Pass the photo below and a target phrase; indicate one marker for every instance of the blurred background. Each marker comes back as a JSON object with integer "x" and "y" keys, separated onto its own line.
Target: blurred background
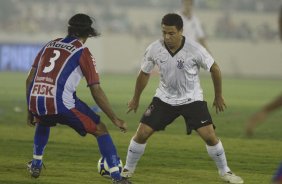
{"x": 242, "y": 35}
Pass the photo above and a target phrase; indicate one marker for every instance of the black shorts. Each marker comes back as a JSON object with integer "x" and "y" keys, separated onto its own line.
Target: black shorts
{"x": 160, "y": 114}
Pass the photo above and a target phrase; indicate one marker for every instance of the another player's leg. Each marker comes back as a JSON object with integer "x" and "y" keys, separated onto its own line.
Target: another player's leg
{"x": 108, "y": 150}
{"x": 216, "y": 152}
{"x": 40, "y": 140}
{"x": 83, "y": 120}
{"x": 136, "y": 149}
{"x": 277, "y": 177}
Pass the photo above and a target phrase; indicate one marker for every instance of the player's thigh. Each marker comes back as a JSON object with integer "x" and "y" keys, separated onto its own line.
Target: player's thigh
{"x": 159, "y": 114}
{"x": 83, "y": 120}
{"x": 196, "y": 115}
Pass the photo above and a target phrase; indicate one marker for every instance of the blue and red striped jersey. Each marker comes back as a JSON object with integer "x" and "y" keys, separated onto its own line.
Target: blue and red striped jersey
{"x": 60, "y": 65}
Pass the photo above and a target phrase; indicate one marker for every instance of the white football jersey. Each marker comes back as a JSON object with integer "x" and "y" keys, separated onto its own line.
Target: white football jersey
{"x": 192, "y": 27}
{"x": 179, "y": 71}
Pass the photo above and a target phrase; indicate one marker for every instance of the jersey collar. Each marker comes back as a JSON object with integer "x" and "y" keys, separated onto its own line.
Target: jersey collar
{"x": 181, "y": 46}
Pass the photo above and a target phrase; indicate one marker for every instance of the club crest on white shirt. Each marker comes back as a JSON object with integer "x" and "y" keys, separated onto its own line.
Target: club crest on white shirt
{"x": 180, "y": 63}
{"x": 149, "y": 110}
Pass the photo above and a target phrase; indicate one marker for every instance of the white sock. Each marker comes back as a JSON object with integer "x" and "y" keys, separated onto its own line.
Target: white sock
{"x": 37, "y": 157}
{"x": 217, "y": 153}
{"x": 134, "y": 153}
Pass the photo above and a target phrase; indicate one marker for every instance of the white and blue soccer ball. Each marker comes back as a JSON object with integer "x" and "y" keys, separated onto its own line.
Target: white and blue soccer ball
{"x": 103, "y": 168}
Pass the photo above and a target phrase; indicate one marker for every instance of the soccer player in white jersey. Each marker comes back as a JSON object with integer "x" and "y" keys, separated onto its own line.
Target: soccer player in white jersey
{"x": 179, "y": 94}
{"x": 51, "y": 95}
{"x": 192, "y": 27}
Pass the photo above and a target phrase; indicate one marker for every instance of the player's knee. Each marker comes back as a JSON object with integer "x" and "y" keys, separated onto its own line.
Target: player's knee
{"x": 101, "y": 130}
{"x": 211, "y": 141}
{"x": 143, "y": 134}
{"x": 140, "y": 139}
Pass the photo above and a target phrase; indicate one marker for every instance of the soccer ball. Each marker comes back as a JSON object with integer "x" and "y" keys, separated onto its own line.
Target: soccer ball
{"x": 103, "y": 168}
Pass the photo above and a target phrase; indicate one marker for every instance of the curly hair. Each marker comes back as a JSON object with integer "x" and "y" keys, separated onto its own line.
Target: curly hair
{"x": 80, "y": 26}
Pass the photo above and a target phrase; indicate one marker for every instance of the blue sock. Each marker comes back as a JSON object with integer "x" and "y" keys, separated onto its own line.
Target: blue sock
{"x": 41, "y": 137}
{"x": 278, "y": 174}
{"x": 108, "y": 151}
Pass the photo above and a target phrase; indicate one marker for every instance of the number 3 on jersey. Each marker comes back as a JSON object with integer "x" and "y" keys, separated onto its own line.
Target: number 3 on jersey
{"x": 52, "y": 61}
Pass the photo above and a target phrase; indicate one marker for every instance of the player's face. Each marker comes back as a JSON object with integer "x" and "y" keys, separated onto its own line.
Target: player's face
{"x": 172, "y": 37}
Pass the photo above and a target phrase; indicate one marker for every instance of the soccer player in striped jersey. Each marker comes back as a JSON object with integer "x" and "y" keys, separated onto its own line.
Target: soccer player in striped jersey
{"x": 51, "y": 94}
{"x": 179, "y": 94}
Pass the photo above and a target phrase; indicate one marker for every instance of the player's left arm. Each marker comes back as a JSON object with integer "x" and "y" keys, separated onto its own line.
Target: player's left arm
{"x": 218, "y": 103}
{"x": 28, "y": 82}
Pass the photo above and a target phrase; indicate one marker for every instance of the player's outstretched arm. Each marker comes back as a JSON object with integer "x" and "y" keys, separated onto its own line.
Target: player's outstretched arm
{"x": 141, "y": 83}
{"x": 262, "y": 114}
{"x": 218, "y": 103}
{"x": 102, "y": 101}
{"x": 30, "y": 77}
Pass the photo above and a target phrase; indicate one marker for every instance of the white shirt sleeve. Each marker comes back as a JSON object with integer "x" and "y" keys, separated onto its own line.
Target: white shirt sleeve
{"x": 148, "y": 61}
{"x": 205, "y": 60}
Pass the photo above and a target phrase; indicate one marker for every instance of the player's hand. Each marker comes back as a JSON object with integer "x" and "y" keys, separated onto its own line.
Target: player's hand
{"x": 30, "y": 119}
{"x": 219, "y": 104}
{"x": 253, "y": 122}
{"x": 120, "y": 124}
{"x": 132, "y": 105}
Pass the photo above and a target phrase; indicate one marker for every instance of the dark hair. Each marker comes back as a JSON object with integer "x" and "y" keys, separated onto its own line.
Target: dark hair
{"x": 80, "y": 26}
{"x": 173, "y": 19}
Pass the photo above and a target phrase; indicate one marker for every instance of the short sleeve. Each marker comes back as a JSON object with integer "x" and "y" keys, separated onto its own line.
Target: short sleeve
{"x": 148, "y": 61}
{"x": 37, "y": 59}
{"x": 88, "y": 67}
{"x": 205, "y": 60}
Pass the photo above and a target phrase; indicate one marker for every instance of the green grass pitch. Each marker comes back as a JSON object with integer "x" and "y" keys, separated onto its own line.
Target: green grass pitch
{"x": 170, "y": 157}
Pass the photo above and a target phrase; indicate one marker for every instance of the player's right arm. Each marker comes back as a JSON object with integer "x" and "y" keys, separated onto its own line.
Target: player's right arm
{"x": 143, "y": 77}
{"x": 28, "y": 82}
{"x": 141, "y": 83}
{"x": 102, "y": 101}
{"x": 88, "y": 68}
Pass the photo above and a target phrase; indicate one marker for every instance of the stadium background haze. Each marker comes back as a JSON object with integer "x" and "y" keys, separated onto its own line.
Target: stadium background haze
{"x": 242, "y": 35}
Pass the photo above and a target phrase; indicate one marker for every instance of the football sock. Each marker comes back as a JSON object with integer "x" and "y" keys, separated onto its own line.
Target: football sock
{"x": 217, "y": 153}
{"x": 108, "y": 151}
{"x": 41, "y": 137}
{"x": 134, "y": 153}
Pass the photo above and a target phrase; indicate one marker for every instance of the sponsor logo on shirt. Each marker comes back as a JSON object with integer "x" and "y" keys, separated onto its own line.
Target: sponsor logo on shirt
{"x": 40, "y": 89}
